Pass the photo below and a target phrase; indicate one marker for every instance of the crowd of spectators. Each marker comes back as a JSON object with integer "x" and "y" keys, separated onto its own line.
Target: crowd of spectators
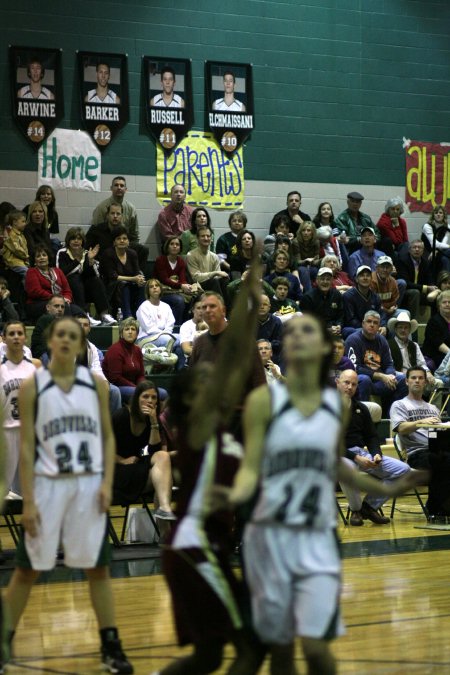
{"x": 369, "y": 282}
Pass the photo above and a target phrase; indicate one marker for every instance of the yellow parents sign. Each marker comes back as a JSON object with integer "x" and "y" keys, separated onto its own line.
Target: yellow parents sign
{"x": 209, "y": 175}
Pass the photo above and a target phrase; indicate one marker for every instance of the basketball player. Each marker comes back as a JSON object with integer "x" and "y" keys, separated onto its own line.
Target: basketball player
{"x": 167, "y": 99}
{"x": 35, "y": 90}
{"x": 102, "y": 93}
{"x": 291, "y": 555}
{"x": 196, "y": 565}
{"x": 228, "y": 102}
{"x": 15, "y": 367}
{"x": 66, "y": 470}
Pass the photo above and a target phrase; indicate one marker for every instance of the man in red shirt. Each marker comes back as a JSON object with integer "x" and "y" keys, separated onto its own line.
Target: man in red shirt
{"x": 175, "y": 218}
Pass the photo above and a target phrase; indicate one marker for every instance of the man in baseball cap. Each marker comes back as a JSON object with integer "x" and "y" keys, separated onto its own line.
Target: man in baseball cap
{"x": 351, "y": 222}
{"x": 359, "y": 300}
{"x": 385, "y": 285}
{"x": 367, "y": 254}
{"x": 325, "y": 301}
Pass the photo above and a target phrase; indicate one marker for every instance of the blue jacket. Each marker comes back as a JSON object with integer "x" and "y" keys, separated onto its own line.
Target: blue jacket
{"x": 369, "y": 356}
{"x": 356, "y": 305}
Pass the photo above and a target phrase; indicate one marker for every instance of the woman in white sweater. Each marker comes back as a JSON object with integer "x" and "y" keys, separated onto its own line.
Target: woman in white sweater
{"x": 156, "y": 320}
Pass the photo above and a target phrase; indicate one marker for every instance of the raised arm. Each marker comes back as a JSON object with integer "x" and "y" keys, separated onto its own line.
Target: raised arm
{"x": 218, "y": 399}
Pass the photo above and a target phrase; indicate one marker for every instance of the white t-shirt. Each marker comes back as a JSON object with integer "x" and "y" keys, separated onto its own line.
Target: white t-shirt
{"x": 409, "y": 410}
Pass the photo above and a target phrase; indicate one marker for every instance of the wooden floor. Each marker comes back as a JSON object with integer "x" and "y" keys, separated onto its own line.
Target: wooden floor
{"x": 396, "y": 606}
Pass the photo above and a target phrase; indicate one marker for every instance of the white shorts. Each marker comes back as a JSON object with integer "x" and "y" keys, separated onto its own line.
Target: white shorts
{"x": 70, "y": 514}
{"x": 294, "y": 579}
{"x": 12, "y": 439}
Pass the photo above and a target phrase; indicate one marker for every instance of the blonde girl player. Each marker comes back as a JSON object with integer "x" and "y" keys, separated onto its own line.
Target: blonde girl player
{"x": 15, "y": 367}
{"x": 293, "y": 433}
{"x": 66, "y": 470}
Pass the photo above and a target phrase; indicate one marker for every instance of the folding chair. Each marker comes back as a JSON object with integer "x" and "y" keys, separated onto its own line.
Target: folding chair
{"x": 401, "y": 452}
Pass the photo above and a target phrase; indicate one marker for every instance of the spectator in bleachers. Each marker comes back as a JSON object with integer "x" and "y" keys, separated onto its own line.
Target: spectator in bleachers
{"x": 359, "y": 300}
{"x": 289, "y": 246}
{"x": 325, "y": 301}
{"x": 241, "y": 261}
{"x": 7, "y": 309}
{"x": 15, "y": 248}
{"x": 44, "y": 281}
{"x": 199, "y": 216}
{"x": 175, "y": 218}
{"x": 156, "y": 320}
{"x": 142, "y": 460}
{"x": 308, "y": 248}
{"x": 442, "y": 284}
{"x": 271, "y": 369}
{"x": 206, "y": 349}
{"x": 385, "y": 286}
{"x": 5, "y": 209}
{"x": 413, "y": 266}
{"x": 407, "y": 416}
{"x": 269, "y": 327}
{"x": 170, "y": 269}
{"x": 124, "y": 280}
{"x": 81, "y": 269}
{"x": 281, "y": 269}
{"x": 280, "y": 305}
{"x": 353, "y": 221}
{"x": 123, "y": 364}
{"x": 325, "y": 217}
{"x": 371, "y": 356}
{"x": 437, "y": 332}
{"x": 129, "y": 219}
{"x": 340, "y": 361}
{"x": 392, "y": 226}
{"x": 101, "y": 235}
{"x": 330, "y": 245}
{"x": 406, "y": 353}
{"x": 366, "y": 254}
{"x": 204, "y": 265}
{"x": 226, "y": 243}
{"x": 436, "y": 237}
{"x": 92, "y": 359}
{"x": 54, "y": 309}
{"x": 341, "y": 281}
{"x": 363, "y": 452}
{"x": 46, "y": 196}
{"x": 191, "y": 328}
{"x": 36, "y": 230}
{"x": 293, "y": 213}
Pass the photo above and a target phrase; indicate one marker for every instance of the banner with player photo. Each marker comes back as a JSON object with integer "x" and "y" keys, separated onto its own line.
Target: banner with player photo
{"x": 103, "y": 94}
{"x": 168, "y": 99}
{"x": 36, "y": 91}
{"x": 229, "y": 105}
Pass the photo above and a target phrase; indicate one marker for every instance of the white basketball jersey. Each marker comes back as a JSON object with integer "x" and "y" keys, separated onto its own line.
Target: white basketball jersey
{"x": 110, "y": 97}
{"x": 159, "y": 102}
{"x": 11, "y": 377}
{"x": 299, "y": 463}
{"x": 68, "y": 426}
{"x": 235, "y": 106}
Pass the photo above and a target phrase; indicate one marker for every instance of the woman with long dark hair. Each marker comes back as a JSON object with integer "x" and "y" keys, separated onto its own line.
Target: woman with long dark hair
{"x": 142, "y": 460}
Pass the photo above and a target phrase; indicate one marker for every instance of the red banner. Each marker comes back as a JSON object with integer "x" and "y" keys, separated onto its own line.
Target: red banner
{"x": 427, "y": 175}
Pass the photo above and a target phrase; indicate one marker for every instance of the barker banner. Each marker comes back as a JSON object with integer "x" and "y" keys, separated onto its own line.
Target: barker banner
{"x": 229, "y": 102}
{"x": 103, "y": 94}
{"x": 427, "y": 175}
{"x": 36, "y": 91}
{"x": 70, "y": 159}
{"x": 209, "y": 175}
{"x": 168, "y": 99}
